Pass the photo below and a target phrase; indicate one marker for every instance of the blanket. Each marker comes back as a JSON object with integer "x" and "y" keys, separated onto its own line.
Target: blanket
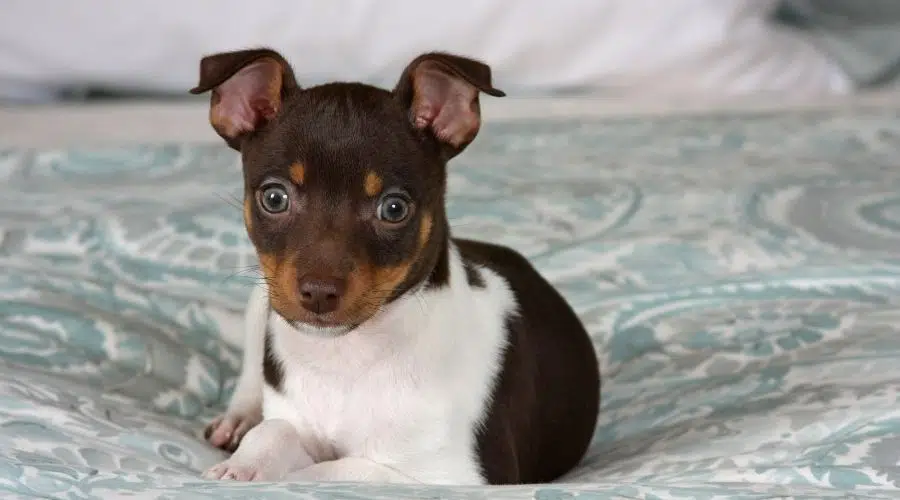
{"x": 738, "y": 273}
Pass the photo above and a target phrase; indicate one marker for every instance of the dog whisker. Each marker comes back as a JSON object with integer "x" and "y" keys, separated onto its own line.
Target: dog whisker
{"x": 232, "y": 200}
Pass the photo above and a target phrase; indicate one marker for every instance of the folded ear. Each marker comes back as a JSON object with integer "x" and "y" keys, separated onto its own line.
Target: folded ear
{"x": 248, "y": 88}
{"x": 441, "y": 91}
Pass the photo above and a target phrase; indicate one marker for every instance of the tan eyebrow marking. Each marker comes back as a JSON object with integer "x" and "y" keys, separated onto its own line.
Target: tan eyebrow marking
{"x": 298, "y": 173}
{"x": 373, "y": 184}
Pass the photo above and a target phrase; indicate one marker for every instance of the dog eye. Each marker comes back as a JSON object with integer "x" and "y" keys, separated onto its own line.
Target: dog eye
{"x": 274, "y": 199}
{"x": 393, "y": 209}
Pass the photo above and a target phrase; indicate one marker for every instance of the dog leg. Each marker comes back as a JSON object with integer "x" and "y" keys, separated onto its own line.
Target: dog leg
{"x": 268, "y": 452}
{"x": 245, "y": 408}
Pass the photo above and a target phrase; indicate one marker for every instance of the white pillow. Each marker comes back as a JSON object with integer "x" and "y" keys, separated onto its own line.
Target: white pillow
{"x": 620, "y": 46}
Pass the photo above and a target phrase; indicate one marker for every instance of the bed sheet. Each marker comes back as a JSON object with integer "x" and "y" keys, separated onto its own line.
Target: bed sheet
{"x": 739, "y": 275}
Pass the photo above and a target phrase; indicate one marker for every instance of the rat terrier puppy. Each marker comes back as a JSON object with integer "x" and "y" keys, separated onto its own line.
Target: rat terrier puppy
{"x": 381, "y": 349}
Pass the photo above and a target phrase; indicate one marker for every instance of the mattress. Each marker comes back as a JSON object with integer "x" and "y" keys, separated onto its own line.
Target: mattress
{"x": 738, "y": 273}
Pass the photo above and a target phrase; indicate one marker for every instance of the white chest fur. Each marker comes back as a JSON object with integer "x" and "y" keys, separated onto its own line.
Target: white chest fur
{"x": 408, "y": 388}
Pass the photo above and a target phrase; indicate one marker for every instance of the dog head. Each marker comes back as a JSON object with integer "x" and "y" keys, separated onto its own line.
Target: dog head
{"x": 344, "y": 182}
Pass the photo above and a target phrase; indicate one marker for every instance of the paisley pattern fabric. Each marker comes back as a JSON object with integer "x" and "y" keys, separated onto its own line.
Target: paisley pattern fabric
{"x": 739, "y": 274}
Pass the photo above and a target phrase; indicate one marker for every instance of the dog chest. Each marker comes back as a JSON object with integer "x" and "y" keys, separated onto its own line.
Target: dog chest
{"x": 418, "y": 381}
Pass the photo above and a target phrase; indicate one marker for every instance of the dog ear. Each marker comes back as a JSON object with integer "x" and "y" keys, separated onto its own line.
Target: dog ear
{"x": 248, "y": 88}
{"x": 441, "y": 92}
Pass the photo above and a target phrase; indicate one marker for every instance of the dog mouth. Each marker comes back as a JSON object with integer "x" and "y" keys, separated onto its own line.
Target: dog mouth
{"x": 328, "y": 320}
{"x": 322, "y": 325}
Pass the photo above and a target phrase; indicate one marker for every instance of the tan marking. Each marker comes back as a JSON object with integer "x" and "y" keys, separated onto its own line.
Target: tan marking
{"x": 298, "y": 173}
{"x": 281, "y": 280}
{"x": 268, "y": 264}
{"x": 369, "y": 287}
{"x": 248, "y": 215}
{"x": 424, "y": 231}
{"x": 373, "y": 184}
{"x": 288, "y": 301}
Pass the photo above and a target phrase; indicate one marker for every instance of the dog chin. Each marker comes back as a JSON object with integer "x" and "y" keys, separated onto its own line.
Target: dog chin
{"x": 321, "y": 330}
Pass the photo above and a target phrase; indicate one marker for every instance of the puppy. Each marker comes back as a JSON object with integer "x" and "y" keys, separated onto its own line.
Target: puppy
{"x": 381, "y": 349}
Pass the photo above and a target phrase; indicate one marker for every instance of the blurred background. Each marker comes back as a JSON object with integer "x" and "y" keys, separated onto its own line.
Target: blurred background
{"x": 629, "y": 52}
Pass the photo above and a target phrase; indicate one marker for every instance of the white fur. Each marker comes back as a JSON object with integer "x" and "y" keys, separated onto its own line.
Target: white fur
{"x": 248, "y": 394}
{"x": 397, "y": 399}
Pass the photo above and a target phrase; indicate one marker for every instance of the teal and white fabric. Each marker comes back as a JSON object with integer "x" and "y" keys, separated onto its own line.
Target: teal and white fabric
{"x": 740, "y": 275}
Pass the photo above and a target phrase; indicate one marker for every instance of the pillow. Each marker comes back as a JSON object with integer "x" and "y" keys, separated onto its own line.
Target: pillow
{"x": 612, "y": 46}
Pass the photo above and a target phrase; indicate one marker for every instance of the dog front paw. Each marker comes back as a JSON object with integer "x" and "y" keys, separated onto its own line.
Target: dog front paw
{"x": 226, "y": 431}
{"x": 232, "y": 470}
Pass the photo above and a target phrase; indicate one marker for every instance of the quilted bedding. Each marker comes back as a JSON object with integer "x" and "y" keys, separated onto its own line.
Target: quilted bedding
{"x": 739, "y": 275}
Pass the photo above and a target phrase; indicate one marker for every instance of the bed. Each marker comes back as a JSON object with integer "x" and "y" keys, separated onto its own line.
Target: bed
{"x": 737, "y": 268}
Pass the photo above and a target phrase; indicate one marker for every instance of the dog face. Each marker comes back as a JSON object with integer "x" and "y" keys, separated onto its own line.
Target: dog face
{"x": 344, "y": 182}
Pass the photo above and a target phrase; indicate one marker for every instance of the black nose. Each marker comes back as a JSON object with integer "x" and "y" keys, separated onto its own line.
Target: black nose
{"x": 321, "y": 295}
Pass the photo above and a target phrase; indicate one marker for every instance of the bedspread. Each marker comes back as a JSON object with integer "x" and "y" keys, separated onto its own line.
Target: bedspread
{"x": 739, "y": 275}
